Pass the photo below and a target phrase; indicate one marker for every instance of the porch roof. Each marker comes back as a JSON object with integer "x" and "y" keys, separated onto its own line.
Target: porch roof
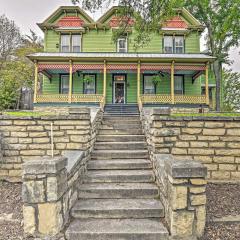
{"x": 197, "y": 58}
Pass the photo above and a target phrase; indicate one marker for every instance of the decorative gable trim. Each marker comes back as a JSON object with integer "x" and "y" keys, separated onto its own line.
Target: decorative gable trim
{"x": 175, "y": 23}
{"x": 117, "y": 21}
{"x": 70, "y": 22}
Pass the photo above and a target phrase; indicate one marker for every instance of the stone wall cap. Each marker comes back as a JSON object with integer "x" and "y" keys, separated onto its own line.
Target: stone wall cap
{"x": 74, "y": 158}
{"x": 184, "y": 168}
{"x": 163, "y": 111}
{"x": 44, "y": 165}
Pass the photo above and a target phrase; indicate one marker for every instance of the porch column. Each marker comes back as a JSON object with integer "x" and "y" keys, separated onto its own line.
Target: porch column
{"x": 138, "y": 79}
{"x": 206, "y": 84}
{"x": 172, "y": 83}
{"x": 70, "y": 82}
{"x": 105, "y": 80}
{"x": 35, "y": 82}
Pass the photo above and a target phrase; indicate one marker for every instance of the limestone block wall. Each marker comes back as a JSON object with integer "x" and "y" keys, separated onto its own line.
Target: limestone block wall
{"x": 50, "y": 189}
{"x": 182, "y": 188}
{"x": 28, "y": 137}
{"x": 215, "y": 141}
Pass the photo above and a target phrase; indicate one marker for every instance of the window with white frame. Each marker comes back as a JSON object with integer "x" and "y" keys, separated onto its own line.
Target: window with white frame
{"x": 71, "y": 43}
{"x": 178, "y": 85}
{"x": 149, "y": 87}
{"x": 65, "y": 43}
{"x": 76, "y": 43}
{"x": 173, "y": 44}
{"x": 122, "y": 45}
{"x": 179, "y": 44}
{"x": 89, "y": 86}
{"x": 168, "y": 44}
{"x": 64, "y": 89}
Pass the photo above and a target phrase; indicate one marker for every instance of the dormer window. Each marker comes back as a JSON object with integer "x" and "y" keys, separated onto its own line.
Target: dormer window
{"x": 70, "y": 43}
{"x": 122, "y": 45}
{"x": 173, "y": 44}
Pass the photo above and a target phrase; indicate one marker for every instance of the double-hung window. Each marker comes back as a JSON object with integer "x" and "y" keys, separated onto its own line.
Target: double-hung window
{"x": 70, "y": 43}
{"x": 173, "y": 44}
{"x": 65, "y": 43}
{"x": 179, "y": 44}
{"x": 122, "y": 45}
{"x": 89, "y": 86}
{"x": 149, "y": 87}
{"x": 64, "y": 88}
{"x": 178, "y": 85}
{"x": 168, "y": 44}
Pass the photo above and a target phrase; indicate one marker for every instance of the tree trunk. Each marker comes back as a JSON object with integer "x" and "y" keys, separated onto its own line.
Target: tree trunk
{"x": 217, "y": 69}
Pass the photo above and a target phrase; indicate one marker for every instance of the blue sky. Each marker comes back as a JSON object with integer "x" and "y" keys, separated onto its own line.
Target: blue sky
{"x": 26, "y": 13}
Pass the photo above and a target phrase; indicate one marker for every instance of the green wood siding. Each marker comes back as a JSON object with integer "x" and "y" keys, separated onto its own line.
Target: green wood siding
{"x": 192, "y": 43}
{"x": 52, "y": 39}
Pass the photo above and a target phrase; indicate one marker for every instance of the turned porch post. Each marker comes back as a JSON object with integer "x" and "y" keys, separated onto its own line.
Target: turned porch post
{"x": 105, "y": 81}
{"x": 172, "y": 83}
{"x": 138, "y": 79}
{"x": 206, "y": 84}
{"x": 35, "y": 82}
{"x": 70, "y": 82}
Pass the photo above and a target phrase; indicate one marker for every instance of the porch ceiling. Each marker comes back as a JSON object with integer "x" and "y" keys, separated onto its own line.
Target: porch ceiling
{"x": 127, "y": 57}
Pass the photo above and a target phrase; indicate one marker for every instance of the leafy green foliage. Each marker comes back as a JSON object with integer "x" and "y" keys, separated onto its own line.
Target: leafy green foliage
{"x": 231, "y": 85}
{"x": 17, "y": 71}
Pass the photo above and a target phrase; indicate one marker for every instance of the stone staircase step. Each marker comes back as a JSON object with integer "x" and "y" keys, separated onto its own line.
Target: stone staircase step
{"x": 120, "y": 145}
{"x": 120, "y": 138}
{"x": 119, "y": 176}
{"x": 116, "y": 154}
{"x": 120, "y": 126}
{"x": 116, "y": 229}
{"x": 121, "y": 131}
{"x": 121, "y": 118}
{"x": 119, "y": 164}
{"x": 118, "y": 208}
{"x": 118, "y": 190}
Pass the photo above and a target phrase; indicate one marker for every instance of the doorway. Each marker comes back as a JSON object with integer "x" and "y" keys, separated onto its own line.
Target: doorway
{"x": 119, "y": 89}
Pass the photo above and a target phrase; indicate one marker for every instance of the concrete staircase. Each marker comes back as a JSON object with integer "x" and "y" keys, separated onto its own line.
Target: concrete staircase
{"x": 119, "y": 199}
{"x": 121, "y": 110}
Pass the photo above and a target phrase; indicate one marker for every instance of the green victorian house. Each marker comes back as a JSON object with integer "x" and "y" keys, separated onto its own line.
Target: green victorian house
{"x": 82, "y": 65}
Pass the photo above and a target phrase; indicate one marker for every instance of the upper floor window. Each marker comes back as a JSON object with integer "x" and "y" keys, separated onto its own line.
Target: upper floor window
{"x": 173, "y": 44}
{"x": 122, "y": 45}
{"x": 71, "y": 43}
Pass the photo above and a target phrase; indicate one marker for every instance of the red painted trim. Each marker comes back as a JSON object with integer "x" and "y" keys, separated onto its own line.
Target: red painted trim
{"x": 175, "y": 22}
{"x": 42, "y": 67}
{"x": 70, "y": 22}
{"x": 117, "y": 21}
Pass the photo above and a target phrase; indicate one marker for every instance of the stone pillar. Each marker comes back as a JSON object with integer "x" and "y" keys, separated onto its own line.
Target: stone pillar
{"x": 182, "y": 188}
{"x": 44, "y": 187}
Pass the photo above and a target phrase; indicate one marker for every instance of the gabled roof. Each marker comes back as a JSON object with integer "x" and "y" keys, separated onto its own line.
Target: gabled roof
{"x": 108, "y": 14}
{"x": 65, "y": 9}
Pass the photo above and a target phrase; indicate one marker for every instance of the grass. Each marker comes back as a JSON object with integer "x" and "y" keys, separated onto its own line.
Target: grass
{"x": 26, "y": 114}
{"x": 212, "y": 114}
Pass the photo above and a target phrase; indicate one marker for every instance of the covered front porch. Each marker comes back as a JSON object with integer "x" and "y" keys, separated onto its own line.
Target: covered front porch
{"x": 111, "y": 81}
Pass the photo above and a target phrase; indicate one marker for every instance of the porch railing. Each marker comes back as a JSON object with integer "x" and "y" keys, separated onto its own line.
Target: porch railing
{"x": 75, "y": 98}
{"x": 165, "y": 98}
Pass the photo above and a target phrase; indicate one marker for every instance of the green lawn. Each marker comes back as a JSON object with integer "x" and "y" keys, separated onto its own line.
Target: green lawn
{"x": 212, "y": 114}
{"x": 26, "y": 114}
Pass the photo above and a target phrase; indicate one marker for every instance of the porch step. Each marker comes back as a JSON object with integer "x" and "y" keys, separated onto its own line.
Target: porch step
{"x": 119, "y": 164}
{"x": 120, "y": 145}
{"x": 116, "y": 229}
{"x": 118, "y": 208}
{"x": 121, "y": 131}
{"x": 116, "y": 154}
{"x": 118, "y": 190}
{"x": 120, "y": 138}
{"x": 119, "y": 176}
{"x": 120, "y": 126}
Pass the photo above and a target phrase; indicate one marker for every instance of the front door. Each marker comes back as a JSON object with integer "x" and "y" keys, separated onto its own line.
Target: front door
{"x": 119, "y": 89}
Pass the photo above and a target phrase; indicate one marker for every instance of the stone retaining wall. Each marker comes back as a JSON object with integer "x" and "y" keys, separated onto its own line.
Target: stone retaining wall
{"x": 50, "y": 189}
{"x": 182, "y": 188}
{"x": 215, "y": 141}
{"x": 28, "y": 137}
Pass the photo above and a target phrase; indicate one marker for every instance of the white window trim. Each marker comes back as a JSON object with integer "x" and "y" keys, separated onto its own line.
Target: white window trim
{"x": 173, "y": 43}
{"x": 80, "y": 35}
{"x": 70, "y": 42}
{"x": 175, "y": 47}
{"x": 120, "y": 39}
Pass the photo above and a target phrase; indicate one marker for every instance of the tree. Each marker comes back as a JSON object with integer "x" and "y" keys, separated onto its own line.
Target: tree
{"x": 10, "y": 38}
{"x": 220, "y": 17}
{"x": 222, "y": 21}
{"x": 231, "y": 83}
